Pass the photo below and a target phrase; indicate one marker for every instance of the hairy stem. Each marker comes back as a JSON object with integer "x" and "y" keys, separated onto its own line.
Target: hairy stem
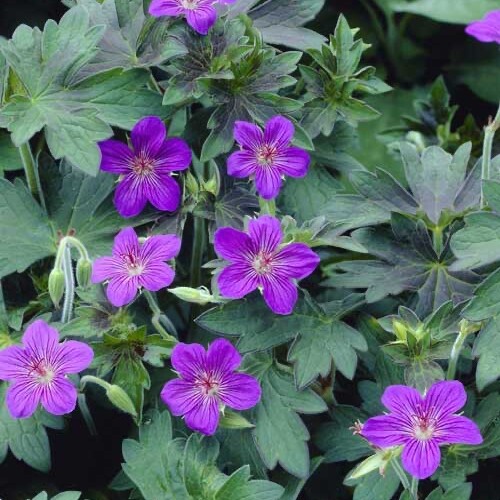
{"x": 157, "y": 317}
{"x": 401, "y": 474}
{"x": 69, "y": 285}
{"x": 489, "y": 135}
{"x": 267, "y": 207}
{"x": 199, "y": 241}
{"x": 414, "y": 488}
{"x": 31, "y": 172}
{"x": 455, "y": 353}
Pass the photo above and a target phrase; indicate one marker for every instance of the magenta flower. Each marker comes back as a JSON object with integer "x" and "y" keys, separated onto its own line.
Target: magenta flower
{"x": 146, "y": 169}
{"x": 200, "y": 14}
{"x": 487, "y": 29}
{"x": 267, "y": 155}
{"x": 207, "y": 384}
{"x": 37, "y": 371}
{"x": 259, "y": 260}
{"x": 134, "y": 265}
{"x": 422, "y": 424}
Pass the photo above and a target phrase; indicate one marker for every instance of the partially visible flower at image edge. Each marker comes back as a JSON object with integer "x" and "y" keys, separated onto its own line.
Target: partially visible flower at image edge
{"x": 200, "y": 14}
{"x": 257, "y": 259}
{"x": 208, "y": 382}
{"x": 134, "y": 265}
{"x": 486, "y": 29}
{"x": 37, "y": 371}
{"x": 146, "y": 170}
{"x": 267, "y": 155}
{"x": 422, "y": 424}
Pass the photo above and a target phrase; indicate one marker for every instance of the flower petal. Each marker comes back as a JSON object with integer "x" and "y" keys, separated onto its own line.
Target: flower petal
{"x": 74, "y": 356}
{"x": 180, "y": 396}
{"x": 279, "y": 293}
{"x": 266, "y": 232}
{"x": 242, "y": 164}
{"x": 384, "y": 431}
{"x": 130, "y": 199}
{"x": 421, "y": 458}
{"x": 237, "y": 280}
{"x": 293, "y": 162}
{"x": 188, "y": 359}
{"x": 40, "y": 338}
{"x": 148, "y": 135}
{"x": 240, "y": 391}
{"x": 455, "y": 429}
{"x": 205, "y": 417}
{"x": 401, "y": 399}
{"x": 105, "y": 268}
{"x": 59, "y": 397}
{"x": 126, "y": 243}
{"x": 279, "y": 132}
{"x": 116, "y": 157}
{"x": 268, "y": 182}
{"x": 122, "y": 290}
{"x": 248, "y": 135}
{"x": 161, "y": 247}
{"x": 296, "y": 260}
{"x": 22, "y": 398}
{"x": 13, "y": 363}
{"x": 156, "y": 275}
{"x": 174, "y": 155}
{"x": 445, "y": 398}
{"x": 202, "y": 18}
{"x": 233, "y": 245}
{"x": 222, "y": 356}
{"x": 160, "y": 8}
{"x": 163, "y": 192}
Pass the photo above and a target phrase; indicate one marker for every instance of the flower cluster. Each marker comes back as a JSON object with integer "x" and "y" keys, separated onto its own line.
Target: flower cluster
{"x": 422, "y": 424}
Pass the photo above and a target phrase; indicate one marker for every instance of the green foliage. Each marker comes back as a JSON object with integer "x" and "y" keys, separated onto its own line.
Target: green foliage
{"x": 170, "y": 468}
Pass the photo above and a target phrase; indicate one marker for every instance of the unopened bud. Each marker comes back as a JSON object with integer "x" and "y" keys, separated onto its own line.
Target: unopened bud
{"x": 368, "y": 465}
{"x": 232, "y": 420}
{"x": 192, "y": 185}
{"x": 194, "y": 295}
{"x": 83, "y": 272}
{"x": 56, "y": 285}
{"x": 400, "y": 330}
{"x": 211, "y": 186}
{"x": 120, "y": 399}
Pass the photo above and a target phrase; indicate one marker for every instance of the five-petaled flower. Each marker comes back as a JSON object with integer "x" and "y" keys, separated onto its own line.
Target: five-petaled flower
{"x": 37, "y": 371}
{"x": 208, "y": 382}
{"x": 134, "y": 265}
{"x": 267, "y": 155}
{"x": 200, "y": 14}
{"x": 146, "y": 169}
{"x": 422, "y": 424}
{"x": 258, "y": 259}
{"x": 486, "y": 29}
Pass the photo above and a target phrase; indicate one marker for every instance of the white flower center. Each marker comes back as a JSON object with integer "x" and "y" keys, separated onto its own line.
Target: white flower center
{"x": 189, "y": 4}
{"x": 208, "y": 384}
{"x": 42, "y": 372}
{"x": 263, "y": 263}
{"x": 266, "y": 155}
{"x": 134, "y": 266}
{"x": 142, "y": 165}
{"x": 423, "y": 427}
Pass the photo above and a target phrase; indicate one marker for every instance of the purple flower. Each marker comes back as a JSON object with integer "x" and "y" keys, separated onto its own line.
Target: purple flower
{"x": 207, "y": 383}
{"x": 200, "y": 14}
{"x": 487, "y": 29}
{"x": 134, "y": 265}
{"x": 267, "y": 155}
{"x": 259, "y": 260}
{"x": 146, "y": 169}
{"x": 422, "y": 424}
{"x": 37, "y": 371}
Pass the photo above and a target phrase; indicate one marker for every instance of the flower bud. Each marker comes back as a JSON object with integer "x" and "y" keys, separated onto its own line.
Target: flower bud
{"x": 212, "y": 185}
{"x": 56, "y": 285}
{"x": 83, "y": 272}
{"x": 192, "y": 185}
{"x": 194, "y": 295}
{"x": 399, "y": 329}
{"x": 120, "y": 399}
{"x": 232, "y": 420}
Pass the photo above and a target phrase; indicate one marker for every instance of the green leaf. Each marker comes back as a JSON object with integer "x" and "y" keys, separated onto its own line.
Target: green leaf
{"x": 448, "y": 11}
{"x": 485, "y": 304}
{"x": 375, "y": 486}
{"x": 295, "y": 485}
{"x": 179, "y": 469}
{"x": 66, "y": 495}
{"x": 319, "y": 339}
{"x": 280, "y": 435}
{"x": 336, "y": 439}
{"x": 454, "y": 469}
{"x": 26, "y": 233}
{"x": 26, "y": 438}
{"x": 74, "y": 114}
{"x": 487, "y": 346}
{"x": 9, "y": 154}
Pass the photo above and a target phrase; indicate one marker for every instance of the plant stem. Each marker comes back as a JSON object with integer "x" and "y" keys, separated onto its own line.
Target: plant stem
{"x": 489, "y": 135}
{"x": 87, "y": 416}
{"x": 401, "y": 474}
{"x": 267, "y": 207}
{"x": 157, "y": 315}
{"x": 455, "y": 352}
{"x": 198, "y": 250}
{"x": 30, "y": 169}
{"x": 69, "y": 285}
{"x": 414, "y": 488}
{"x": 437, "y": 239}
